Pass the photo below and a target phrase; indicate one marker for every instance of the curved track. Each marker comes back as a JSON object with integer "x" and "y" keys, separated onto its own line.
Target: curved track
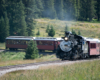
{"x": 7, "y": 69}
{"x": 1, "y": 50}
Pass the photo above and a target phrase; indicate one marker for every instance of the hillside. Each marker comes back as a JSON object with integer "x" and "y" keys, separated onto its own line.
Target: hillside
{"x": 87, "y": 29}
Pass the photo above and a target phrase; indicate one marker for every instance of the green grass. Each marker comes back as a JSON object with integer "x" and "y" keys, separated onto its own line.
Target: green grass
{"x": 78, "y": 71}
{"x": 15, "y": 58}
{"x": 7, "y": 56}
{"x": 2, "y": 45}
{"x": 87, "y": 29}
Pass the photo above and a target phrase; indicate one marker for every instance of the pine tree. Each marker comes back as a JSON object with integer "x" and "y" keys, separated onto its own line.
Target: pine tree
{"x": 6, "y": 25}
{"x": 30, "y": 26}
{"x": 32, "y": 50}
{"x": 17, "y": 19}
{"x": 31, "y": 13}
{"x": 76, "y": 9}
{"x": 3, "y": 29}
{"x": 2, "y": 8}
{"x": 79, "y": 33}
{"x": 51, "y": 32}
{"x": 66, "y": 28}
{"x": 4, "y": 21}
{"x": 49, "y": 10}
{"x": 98, "y": 9}
{"x": 91, "y": 9}
{"x": 68, "y": 10}
{"x": 22, "y": 22}
{"x": 38, "y": 33}
{"x": 73, "y": 32}
{"x": 31, "y": 9}
{"x": 47, "y": 30}
{"x": 83, "y": 10}
{"x": 59, "y": 9}
{"x": 39, "y": 4}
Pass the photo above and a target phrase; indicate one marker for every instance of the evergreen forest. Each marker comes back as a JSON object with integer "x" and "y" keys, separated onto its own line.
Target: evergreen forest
{"x": 17, "y": 17}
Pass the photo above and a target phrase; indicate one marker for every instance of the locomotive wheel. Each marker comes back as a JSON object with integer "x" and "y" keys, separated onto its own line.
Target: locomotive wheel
{"x": 10, "y": 49}
{"x": 63, "y": 59}
{"x": 83, "y": 56}
{"x": 58, "y": 52}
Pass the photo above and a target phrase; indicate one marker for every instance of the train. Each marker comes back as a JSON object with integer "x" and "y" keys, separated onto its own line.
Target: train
{"x": 43, "y": 43}
{"x": 77, "y": 47}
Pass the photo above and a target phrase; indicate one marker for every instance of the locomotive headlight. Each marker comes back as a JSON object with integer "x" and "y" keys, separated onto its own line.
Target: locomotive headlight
{"x": 66, "y": 38}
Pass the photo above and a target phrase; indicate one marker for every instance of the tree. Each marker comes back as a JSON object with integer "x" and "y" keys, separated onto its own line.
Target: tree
{"x": 83, "y": 10}
{"x": 31, "y": 13}
{"x": 76, "y": 9}
{"x": 49, "y": 10}
{"x": 91, "y": 9}
{"x": 4, "y": 21}
{"x": 51, "y": 32}
{"x": 59, "y": 9}
{"x": 30, "y": 26}
{"x": 39, "y": 4}
{"x": 2, "y": 8}
{"x": 79, "y": 33}
{"x": 17, "y": 19}
{"x": 38, "y": 33}
{"x": 4, "y": 28}
{"x": 66, "y": 28}
{"x": 47, "y": 30}
{"x": 69, "y": 11}
{"x": 22, "y": 23}
{"x": 6, "y": 24}
{"x": 98, "y": 9}
{"x": 32, "y": 50}
{"x": 73, "y": 32}
{"x": 30, "y": 8}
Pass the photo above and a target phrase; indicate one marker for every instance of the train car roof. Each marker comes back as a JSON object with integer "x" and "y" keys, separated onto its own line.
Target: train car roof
{"x": 48, "y": 38}
{"x": 91, "y": 39}
{"x": 20, "y": 38}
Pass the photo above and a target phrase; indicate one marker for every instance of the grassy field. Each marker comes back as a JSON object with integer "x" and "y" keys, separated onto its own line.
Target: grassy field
{"x": 87, "y": 29}
{"x": 15, "y": 58}
{"x": 2, "y": 45}
{"x": 79, "y": 71}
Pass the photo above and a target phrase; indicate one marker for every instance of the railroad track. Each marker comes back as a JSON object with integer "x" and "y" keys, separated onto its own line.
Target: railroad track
{"x": 29, "y": 64}
{"x": 1, "y": 50}
{"x": 7, "y": 69}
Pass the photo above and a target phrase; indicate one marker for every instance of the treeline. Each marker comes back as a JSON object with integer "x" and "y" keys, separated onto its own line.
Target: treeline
{"x": 17, "y": 16}
{"x": 82, "y": 10}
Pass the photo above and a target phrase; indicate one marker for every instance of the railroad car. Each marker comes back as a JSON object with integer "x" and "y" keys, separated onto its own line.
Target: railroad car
{"x": 47, "y": 43}
{"x": 17, "y": 42}
{"x": 43, "y": 43}
{"x": 74, "y": 46}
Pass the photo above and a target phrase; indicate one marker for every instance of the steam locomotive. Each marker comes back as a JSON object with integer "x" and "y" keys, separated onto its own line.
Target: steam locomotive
{"x": 74, "y": 46}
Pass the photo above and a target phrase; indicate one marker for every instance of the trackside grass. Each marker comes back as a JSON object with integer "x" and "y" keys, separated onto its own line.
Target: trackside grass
{"x": 15, "y": 58}
{"x": 78, "y": 71}
{"x": 2, "y": 45}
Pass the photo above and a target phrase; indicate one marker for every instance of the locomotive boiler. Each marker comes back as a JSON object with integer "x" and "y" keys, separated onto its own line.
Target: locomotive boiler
{"x": 72, "y": 47}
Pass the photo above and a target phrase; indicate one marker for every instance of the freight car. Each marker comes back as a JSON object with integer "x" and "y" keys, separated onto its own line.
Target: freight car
{"x": 75, "y": 46}
{"x": 43, "y": 43}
